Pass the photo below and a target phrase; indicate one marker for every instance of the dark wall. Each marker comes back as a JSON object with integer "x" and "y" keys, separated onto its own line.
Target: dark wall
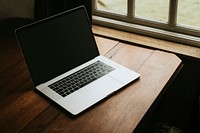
{"x": 45, "y": 8}
{"x": 16, "y": 8}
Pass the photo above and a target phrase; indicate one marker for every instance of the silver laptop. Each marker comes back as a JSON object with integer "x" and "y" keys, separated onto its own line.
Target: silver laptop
{"x": 65, "y": 64}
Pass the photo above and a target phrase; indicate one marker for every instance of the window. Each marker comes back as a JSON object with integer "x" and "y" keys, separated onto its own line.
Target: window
{"x": 174, "y": 20}
{"x": 189, "y": 12}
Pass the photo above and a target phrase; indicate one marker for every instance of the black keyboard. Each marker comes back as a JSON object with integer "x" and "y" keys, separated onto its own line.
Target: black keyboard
{"x": 80, "y": 78}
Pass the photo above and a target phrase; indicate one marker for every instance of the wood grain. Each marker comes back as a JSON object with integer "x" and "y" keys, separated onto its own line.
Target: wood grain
{"x": 104, "y": 45}
{"x": 12, "y": 78}
{"x": 27, "y": 111}
{"x": 10, "y": 53}
{"x": 148, "y": 41}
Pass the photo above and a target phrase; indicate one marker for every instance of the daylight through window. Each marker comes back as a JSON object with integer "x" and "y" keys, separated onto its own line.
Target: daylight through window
{"x": 174, "y": 20}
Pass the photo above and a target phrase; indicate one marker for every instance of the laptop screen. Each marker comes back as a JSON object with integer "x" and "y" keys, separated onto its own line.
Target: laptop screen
{"x": 55, "y": 45}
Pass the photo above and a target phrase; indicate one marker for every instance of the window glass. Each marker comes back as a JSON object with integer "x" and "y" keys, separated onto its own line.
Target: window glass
{"x": 189, "y": 12}
{"x": 152, "y": 9}
{"x": 115, "y": 6}
{"x": 184, "y": 13}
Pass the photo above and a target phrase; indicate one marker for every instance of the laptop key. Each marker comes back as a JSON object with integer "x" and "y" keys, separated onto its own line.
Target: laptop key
{"x": 79, "y": 79}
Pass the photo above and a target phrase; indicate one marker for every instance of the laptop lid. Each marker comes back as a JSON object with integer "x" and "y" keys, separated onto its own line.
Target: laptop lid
{"x": 57, "y": 44}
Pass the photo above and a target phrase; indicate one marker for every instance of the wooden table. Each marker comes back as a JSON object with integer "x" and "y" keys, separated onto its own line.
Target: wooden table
{"x": 25, "y": 110}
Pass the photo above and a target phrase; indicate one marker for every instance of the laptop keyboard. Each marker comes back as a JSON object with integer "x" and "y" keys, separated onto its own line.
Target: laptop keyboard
{"x": 80, "y": 78}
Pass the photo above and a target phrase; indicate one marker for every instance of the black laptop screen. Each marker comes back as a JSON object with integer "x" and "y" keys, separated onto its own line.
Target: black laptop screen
{"x": 57, "y": 44}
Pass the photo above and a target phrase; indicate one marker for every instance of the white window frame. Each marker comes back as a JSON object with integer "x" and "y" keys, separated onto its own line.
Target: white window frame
{"x": 169, "y": 31}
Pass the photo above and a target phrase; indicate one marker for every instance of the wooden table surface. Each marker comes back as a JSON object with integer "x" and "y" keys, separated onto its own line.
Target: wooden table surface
{"x": 22, "y": 109}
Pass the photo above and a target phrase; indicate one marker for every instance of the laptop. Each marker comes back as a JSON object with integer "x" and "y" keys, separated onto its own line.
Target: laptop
{"x": 65, "y": 64}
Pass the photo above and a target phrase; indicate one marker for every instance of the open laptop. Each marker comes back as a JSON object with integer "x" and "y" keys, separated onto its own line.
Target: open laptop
{"x": 65, "y": 64}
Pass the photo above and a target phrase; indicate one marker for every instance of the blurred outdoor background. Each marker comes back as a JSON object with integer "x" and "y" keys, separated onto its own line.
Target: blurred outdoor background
{"x": 188, "y": 10}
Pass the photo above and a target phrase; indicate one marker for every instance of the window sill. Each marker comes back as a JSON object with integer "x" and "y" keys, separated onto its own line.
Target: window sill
{"x": 147, "y": 41}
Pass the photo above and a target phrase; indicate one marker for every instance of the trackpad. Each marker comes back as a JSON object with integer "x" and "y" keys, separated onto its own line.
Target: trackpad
{"x": 90, "y": 94}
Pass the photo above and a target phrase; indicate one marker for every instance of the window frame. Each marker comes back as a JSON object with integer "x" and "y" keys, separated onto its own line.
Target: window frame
{"x": 169, "y": 31}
